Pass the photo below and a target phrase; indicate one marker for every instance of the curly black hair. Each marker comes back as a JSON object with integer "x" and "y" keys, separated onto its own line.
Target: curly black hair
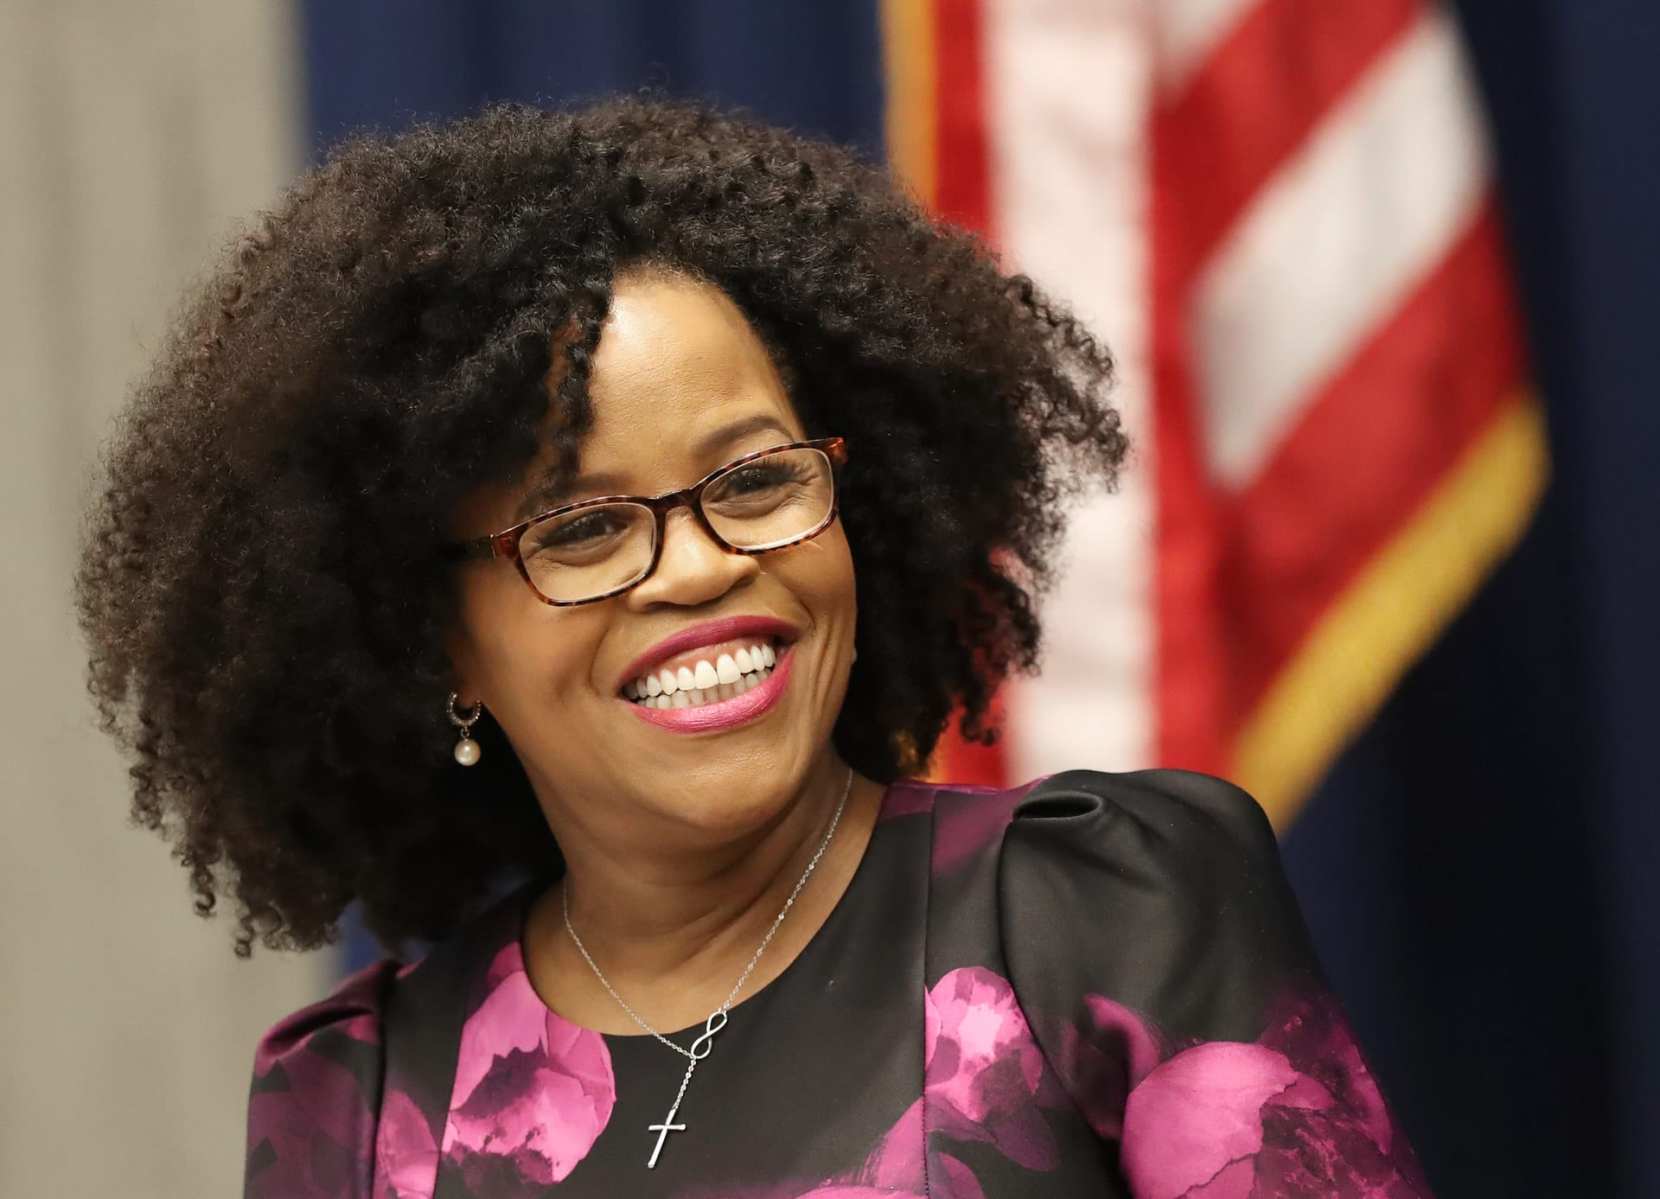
{"x": 262, "y": 582}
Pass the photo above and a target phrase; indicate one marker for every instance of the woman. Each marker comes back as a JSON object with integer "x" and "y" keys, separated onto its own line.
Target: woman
{"x": 567, "y": 535}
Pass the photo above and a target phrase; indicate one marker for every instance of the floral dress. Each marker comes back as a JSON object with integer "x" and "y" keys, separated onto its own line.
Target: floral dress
{"x": 1094, "y": 984}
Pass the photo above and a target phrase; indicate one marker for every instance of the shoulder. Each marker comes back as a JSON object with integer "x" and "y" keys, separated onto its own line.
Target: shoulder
{"x": 1174, "y": 816}
{"x": 1162, "y": 964}
{"x": 1179, "y": 850}
{"x": 1161, "y": 889}
{"x": 350, "y": 1093}
{"x": 315, "y": 1096}
{"x": 1194, "y": 823}
{"x": 351, "y": 1011}
{"x": 1163, "y": 865}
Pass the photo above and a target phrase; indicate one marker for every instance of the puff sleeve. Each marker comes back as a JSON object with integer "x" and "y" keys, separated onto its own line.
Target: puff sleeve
{"x": 314, "y": 1103}
{"x": 1163, "y": 964}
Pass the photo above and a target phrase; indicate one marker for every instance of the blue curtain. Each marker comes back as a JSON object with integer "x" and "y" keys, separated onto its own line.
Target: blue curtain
{"x": 1479, "y": 868}
{"x": 381, "y": 63}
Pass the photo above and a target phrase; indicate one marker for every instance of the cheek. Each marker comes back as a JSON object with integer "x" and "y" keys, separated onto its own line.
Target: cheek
{"x": 824, "y": 577}
{"x": 526, "y": 652}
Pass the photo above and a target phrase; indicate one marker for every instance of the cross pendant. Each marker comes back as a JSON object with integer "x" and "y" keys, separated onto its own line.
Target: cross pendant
{"x": 662, "y": 1130}
{"x": 698, "y": 1051}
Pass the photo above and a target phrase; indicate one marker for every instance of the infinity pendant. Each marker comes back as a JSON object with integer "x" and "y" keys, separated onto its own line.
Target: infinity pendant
{"x": 705, "y": 1042}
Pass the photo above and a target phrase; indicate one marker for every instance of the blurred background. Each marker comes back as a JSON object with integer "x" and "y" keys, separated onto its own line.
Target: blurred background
{"x": 1383, "y": 281}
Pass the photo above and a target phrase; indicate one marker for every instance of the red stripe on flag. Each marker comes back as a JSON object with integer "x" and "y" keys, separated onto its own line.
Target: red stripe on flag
{"x": 962, "y": 195}
{"x": 963, "y": 183}
{"x": 1233, "y": 124}
{"x": 1191, "y": 654}
{"x": 1372, "y": 445}
{"x": 1242, "y": 114}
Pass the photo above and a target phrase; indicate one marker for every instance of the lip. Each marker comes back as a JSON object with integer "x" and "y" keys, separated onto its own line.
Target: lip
{"x": 710, "y": 632}
{"x": 740, "y": 709}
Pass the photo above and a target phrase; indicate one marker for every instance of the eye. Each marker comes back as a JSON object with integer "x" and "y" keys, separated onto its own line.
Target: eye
{"x": 590, "y": 526}
{"x": 767, "y": 481}
{"x": 582, "y": 532}
{"x": 757, "y": 477}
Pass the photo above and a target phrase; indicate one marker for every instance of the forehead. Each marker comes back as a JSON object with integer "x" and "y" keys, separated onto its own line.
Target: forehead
{"x": 676, "y": 367}
{"x": 676, "y": 360}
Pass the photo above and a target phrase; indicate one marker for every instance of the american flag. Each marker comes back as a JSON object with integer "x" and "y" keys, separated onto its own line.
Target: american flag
{"x": 1281, "y": 217}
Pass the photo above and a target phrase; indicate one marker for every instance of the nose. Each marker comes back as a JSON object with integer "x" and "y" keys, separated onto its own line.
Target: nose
{"x": 691, "y": 568}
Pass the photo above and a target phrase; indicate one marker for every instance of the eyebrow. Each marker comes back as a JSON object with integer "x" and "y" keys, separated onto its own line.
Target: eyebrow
{"x": 552, "y": 491}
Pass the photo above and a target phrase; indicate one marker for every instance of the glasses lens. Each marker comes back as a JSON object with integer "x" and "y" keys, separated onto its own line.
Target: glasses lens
{"x": 772, "y": 500}
{"x": 588, "y": 552}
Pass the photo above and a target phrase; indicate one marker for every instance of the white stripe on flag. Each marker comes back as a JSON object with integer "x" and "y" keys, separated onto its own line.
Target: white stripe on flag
{"x": 1365, "y": 210}
{"x": 1067, "y": 103}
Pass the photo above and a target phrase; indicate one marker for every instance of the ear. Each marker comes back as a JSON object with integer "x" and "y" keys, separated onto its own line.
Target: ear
{"x": 458, "y": 649}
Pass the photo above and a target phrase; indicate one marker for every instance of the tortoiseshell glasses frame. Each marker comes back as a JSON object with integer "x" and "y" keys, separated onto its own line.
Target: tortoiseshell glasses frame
{"x": 507, "y": 542}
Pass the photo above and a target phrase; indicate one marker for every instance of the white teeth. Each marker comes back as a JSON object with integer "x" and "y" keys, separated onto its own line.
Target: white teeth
{"x": 703, "y": 682}
{"x": 693, "y": 697}
{"x": 703, "y": 674}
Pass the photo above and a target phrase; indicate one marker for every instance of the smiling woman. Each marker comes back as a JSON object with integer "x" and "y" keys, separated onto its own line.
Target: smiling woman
{"x": 697, "y": 478}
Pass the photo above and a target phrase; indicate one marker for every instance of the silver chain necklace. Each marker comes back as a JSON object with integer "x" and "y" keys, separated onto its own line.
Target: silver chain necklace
{"x": 717, "y": 1019}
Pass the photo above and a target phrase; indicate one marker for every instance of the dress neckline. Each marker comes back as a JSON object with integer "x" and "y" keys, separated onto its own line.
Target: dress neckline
{"x": 512, "y": 960}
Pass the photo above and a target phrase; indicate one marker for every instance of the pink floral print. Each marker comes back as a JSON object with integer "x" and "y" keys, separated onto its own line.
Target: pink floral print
{"x": 309, "y": 1110}
{"x": 985, "y": 1074}
{"x": 532, "y": 1090}
{"x": 1295, "y": 1113}
{"x": 406, "y": 1156}
{"x": 313, "y": 1128}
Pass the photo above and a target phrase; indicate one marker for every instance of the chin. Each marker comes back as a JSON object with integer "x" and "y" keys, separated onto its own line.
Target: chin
{"x": 732, "y": 801}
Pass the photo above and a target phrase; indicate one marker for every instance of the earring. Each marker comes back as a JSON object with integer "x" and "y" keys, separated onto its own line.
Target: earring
{"x": 466, "y": 749}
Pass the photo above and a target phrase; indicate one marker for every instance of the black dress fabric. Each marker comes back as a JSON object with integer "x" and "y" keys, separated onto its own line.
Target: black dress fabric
{"x": 1091, "y": 984}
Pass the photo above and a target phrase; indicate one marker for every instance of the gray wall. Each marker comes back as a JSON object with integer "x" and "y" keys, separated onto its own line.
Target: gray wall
{"x": 132, "y": 137}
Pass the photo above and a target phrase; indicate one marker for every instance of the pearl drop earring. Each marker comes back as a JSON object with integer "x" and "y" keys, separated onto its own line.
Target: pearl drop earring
{"x": 466, "y": 749}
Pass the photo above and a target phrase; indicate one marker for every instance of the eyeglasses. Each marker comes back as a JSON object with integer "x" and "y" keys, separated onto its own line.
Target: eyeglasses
{"x": 597, "y": 548}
